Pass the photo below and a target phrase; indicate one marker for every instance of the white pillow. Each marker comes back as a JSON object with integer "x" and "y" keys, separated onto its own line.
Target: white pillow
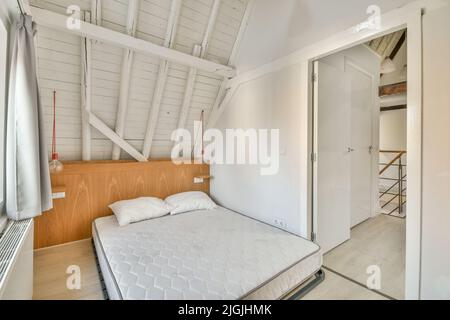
{"x": 190, "y": 201}
{"x": 130, "y": 211}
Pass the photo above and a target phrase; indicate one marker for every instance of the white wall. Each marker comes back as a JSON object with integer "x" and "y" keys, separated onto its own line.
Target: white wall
{"x": 277, "y": 28}
{"x": 270, "y": 102}
{"x": 436, "y": 157}
{"x": 393, "y": 130}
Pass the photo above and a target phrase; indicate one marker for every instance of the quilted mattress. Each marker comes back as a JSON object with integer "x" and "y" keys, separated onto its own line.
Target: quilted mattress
{"x": 212, "y": 254}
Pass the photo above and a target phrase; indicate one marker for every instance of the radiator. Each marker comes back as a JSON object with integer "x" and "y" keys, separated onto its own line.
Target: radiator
{"x": 16, "y": 261}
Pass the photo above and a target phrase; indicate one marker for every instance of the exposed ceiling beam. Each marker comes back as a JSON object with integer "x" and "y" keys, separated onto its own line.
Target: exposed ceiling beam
{"x": 393, "y": 89}
{"x": 222, "y": 99}
{"x": 96, "y": 12}
{"x": 398, "y": 46}
{"x": 57, "y": 21}
{"x": 110, "y": 134}
{"x": 86, "y": 94}
{"x": 127, "y": 64}
{"x": 163, "y": 72}
{"x": 210, "y": 28}
{"x": 393, "y": 108}
{"x": 189, "y": 91}
{"x": 199, "y": 51}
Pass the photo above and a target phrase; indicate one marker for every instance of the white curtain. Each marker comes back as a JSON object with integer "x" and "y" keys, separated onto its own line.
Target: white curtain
{"x": 28, "y": 187}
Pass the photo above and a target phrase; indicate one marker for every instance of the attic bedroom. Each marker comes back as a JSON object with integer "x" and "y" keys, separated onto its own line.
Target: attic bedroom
{"x": 224, "y": 150}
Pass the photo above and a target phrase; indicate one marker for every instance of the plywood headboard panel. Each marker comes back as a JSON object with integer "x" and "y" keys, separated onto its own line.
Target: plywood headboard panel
{"x": 91, "y": 186}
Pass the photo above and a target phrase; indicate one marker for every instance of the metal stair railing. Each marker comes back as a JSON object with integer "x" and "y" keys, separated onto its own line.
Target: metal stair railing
{"x": 399, "y": 181}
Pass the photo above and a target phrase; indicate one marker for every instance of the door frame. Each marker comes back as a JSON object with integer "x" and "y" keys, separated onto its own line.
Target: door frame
{"x": 409, "y": 18}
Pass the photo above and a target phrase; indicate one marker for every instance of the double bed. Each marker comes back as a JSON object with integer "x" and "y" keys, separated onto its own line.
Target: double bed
{"x": 204, "y": 255}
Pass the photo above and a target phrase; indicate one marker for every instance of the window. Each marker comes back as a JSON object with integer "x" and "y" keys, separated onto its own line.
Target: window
{"x": 3, "y": 68}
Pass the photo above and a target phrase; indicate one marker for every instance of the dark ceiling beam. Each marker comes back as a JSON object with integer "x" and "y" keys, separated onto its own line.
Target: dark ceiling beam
{"x": 393, "y": 108}
{"x": 397, "y": 48}
{"x": 391, "y": 89}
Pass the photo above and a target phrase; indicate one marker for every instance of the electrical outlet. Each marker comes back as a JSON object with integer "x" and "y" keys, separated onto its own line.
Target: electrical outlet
{"x": 281, "y": 223}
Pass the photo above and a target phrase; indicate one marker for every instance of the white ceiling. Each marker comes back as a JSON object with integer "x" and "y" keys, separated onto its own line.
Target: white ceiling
{"x": 278, "y": 28}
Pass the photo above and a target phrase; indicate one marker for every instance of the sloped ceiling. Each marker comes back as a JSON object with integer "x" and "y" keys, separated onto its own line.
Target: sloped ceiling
{"x": 386, "y": 45}
{"x": 278, "y": 28}
{"x": 59, "y": 68}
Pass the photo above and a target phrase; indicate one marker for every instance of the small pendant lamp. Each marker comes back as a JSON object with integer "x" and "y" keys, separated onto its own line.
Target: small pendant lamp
{"x": 55, "y": 165}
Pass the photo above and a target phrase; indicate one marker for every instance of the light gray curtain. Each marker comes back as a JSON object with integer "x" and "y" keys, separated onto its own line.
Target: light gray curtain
{"x": 28, "y": 188}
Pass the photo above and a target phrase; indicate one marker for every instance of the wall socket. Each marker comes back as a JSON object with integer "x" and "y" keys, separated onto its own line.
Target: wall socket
{"x": 280, "y": 222}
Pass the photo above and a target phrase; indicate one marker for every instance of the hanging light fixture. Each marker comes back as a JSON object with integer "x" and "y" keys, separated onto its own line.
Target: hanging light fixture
{"x": 388, "y": 66}
{"x": 55, "y": 165}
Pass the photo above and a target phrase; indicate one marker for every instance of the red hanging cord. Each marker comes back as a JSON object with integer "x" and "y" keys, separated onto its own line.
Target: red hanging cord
{"x": 54, "y": 154}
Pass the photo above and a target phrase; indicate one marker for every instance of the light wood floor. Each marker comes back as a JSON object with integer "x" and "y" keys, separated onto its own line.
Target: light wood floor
{"x": 383, "y": 234}
{"x": 335, "y": 287}
{"x": 50, "y": 266}
{"x": 379, "y": 241}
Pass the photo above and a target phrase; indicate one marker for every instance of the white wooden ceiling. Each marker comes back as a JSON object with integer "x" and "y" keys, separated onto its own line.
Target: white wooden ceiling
{"x": 385, "y": 45}
{"x": 59, "y": 68}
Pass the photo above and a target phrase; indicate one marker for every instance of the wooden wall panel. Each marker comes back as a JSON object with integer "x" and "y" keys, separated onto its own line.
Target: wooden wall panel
{"x": 91, "y": 186}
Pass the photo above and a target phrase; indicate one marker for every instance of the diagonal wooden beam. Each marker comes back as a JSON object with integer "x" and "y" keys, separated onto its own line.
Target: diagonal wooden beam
{"x": 398, "y": 46}
{"x": 163, "y": 72}
{"x": 199, "y": 51}
{"x": 110, "y": 134}
{"x": 225, "y": 94}
{"x": 57, "y": 21}
{"x": 127, "y": 64}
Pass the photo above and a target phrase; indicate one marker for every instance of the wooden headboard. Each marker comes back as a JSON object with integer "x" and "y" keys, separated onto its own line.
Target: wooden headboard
{"x": 91, "y": 186}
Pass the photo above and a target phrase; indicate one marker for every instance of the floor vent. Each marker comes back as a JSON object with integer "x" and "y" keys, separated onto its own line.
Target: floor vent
{"x": 10, "y": 243}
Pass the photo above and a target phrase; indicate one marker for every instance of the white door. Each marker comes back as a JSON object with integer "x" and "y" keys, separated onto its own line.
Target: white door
{"x": 332, "y": 111}
{"x": 361, "y": 142}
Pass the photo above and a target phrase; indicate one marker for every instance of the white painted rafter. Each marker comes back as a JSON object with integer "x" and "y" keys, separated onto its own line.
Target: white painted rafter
{"x": 163, "y": 72}
{"x": 86, "y": 94}
{"x": 88, "y": 118}
{"x": 96, "y": 12}
{"x": 189, "y": 91}
{"x": 57, "y": 21}
{"x": 127, "y": 64}
{"x": 199, "y": 51}
{"x": 225, "y": 94}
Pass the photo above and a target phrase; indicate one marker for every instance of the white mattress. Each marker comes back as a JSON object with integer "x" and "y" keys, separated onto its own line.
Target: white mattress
{"x": 215, "y": 254}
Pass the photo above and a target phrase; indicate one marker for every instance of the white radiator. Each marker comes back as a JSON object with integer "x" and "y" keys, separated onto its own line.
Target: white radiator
{"x": 16, "y": 261}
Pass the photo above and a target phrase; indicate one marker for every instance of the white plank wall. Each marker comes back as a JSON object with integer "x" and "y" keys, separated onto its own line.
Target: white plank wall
{"x": 60, "y": 67}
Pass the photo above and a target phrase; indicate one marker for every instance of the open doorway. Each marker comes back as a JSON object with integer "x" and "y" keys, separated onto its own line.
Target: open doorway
{"x": 359, "y": 174}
